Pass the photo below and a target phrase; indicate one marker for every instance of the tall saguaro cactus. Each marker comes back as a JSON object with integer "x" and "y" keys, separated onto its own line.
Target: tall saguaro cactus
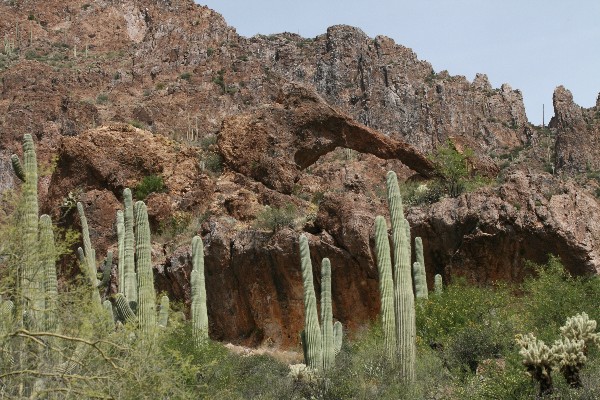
{"x": 404, "y": 302}
{"x": 199, "y": 310}
{"x": 48, "y": 263}
{"x": 31, "y": 284}
{"x": 320, "y": 344}
{"x": 386, "y": 285}
{"x": 130, "y": 280}
{"x": 143, "y": 255}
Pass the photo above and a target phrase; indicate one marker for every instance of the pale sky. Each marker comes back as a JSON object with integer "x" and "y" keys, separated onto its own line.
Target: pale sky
{"x": 534, "y": 45}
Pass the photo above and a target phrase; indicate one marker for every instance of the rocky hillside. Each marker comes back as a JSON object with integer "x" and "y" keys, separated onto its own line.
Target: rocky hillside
{"x": 118, "y": 91}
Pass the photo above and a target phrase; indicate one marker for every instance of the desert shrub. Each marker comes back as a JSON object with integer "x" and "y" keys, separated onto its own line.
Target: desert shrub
{"x": 461, "y": 306}
{"x": 102, "y": 98}
{"x": 149, "y": 184}
{"x": 137, "y": 124}
{"x": 362, "y": 371}
{"x": 553, "y": 295}
{"x": 212, "y": 161}
{"x": 275, "y": 218}
{"x": 455, "y": 168}
{"x": 418, "y": 193}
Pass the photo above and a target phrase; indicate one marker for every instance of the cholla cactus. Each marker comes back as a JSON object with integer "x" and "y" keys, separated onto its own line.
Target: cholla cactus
{"x": 568, "y": 355}
{"x": 581, "y": 327}
{"x": 538, "y": 359}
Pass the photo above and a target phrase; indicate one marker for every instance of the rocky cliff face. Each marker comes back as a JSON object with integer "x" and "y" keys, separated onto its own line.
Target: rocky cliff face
{"x": 385, "y": 86}
{"x": 234, "y": 124}
{"x": 577, "y": 134}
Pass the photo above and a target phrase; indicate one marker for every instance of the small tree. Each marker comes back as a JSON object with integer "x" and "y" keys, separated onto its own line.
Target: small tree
{"x": 453, "y": 166}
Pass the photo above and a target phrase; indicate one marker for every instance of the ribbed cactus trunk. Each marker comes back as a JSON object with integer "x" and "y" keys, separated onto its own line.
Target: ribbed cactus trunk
{"x": 32, "y": 276}
{"x": 87, "y": 257}
{"x": 403, "y": 292}
{"x": 419, "y": 274}
{"x": 386, "y": 286}
{"x": 90, "y": 253}
{"x": 121, "y": 244}
{"x": 199, "y": 310}
{"x": 312, "y": 340}
{"x": 163, "y": 313}
{"x": 143, "y": 255}
{"x": 130, "y": 284}
{"x": 328, "y": 348}
{"x": 124, "y": 311}
{"x": 438, "y": 286}
{"x": 48, "y": 261}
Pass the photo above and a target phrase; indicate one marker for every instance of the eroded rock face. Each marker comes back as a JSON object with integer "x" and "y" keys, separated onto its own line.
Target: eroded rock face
{"x": 577, "y": 134}
{"x": 274, "y": 144}
{"x": 488, "y": 235}
{"x": 254, "y": 278}
{"x": 117, "y": 156}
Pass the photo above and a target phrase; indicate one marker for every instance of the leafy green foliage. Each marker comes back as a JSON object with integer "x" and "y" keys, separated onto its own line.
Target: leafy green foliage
{"x": 456, "y": 169}
{"x": 553, "y": 295}
{"x": 149, "y": 184}
{"x": 275, "y": 218}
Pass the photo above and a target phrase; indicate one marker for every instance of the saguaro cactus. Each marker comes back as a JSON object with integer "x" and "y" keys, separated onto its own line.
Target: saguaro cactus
{"x": 143, "y": 255}
{"x": 130, "y": 285}
{"x": 386, "y": 285}
{"x": 31, "y": 283}
{"x": 136, "y": 301}
{"x": 438, "y": 286}
{"x": 199, "y": 310}
{"x": 320, "y": 344}
{"x": 87, "y": 256}
{"x": 47, "y": 260}
{"x": 419, "y": 274}
{"x": 404, "y": 302}
{"x": 121, "y": 245}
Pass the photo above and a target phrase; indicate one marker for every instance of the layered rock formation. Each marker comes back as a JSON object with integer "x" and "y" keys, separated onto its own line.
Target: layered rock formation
{"x": 280, "y": 107}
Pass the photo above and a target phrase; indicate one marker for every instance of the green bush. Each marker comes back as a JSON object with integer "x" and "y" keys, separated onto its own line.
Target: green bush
{"x": 418, "y": 193}
{"x": 211, "y": 161}
{"x": 553, "y": 295}
{"x": 102, "y": 98}
{"x": 453, "y": 166}
{"x": 275, "y": 218}
{"x": 149, "y": 184}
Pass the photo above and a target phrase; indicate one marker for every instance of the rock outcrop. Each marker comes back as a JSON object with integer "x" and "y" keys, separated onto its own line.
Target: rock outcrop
{"x": 490, "y": 234}
{"x": 275, "y": 143}
{"x": 577, "y": 134}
